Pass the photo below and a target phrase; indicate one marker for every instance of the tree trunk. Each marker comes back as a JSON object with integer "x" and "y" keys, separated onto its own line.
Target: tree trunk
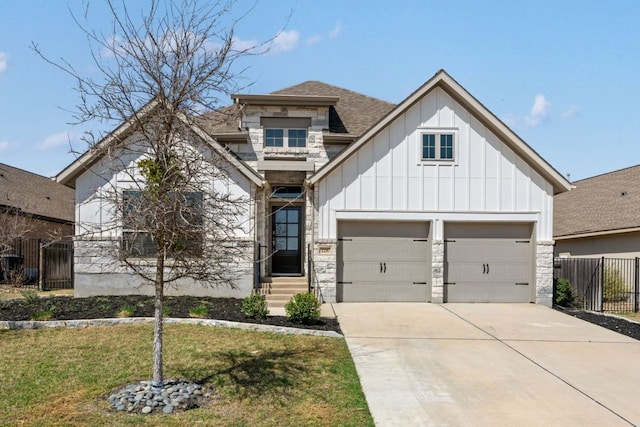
{"x": 158, "y": 377}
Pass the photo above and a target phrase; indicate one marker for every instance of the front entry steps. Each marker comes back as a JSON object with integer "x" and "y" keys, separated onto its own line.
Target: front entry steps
{"x": 279, "y": 290}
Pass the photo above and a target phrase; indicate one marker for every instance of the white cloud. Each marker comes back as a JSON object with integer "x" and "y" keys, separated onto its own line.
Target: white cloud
{"x": 313, "y": 40}
{"x": 60, "y": 139}
{"x": 242, "y": 45}
{"x": 3, "y": 146}
{"x": 284, "y": 41}
{"x": 336, "y": 30}
{"x": 539, "y": 111}
{"x": 4, "y": 61}
{"x": 570, "y": 112}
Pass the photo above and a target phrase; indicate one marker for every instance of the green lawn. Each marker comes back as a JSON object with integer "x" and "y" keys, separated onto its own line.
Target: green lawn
{"x": 61, "y": 377}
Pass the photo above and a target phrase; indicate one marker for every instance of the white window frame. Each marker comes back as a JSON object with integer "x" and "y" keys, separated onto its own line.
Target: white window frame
{"x": 285, "y": 138}
{"x": 437, "y": 132}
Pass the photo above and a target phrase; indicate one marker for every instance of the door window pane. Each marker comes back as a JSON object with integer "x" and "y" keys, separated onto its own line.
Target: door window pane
{"x": 281, "y": 243}
{"x": 292, "y": 243}
{"x": 292, "y": 230}
{"x": 293, "y": 216}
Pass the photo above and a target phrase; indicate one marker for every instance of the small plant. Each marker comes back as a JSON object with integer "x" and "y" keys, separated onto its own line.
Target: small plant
{"x": 255, "y": 306}
{"x": 166, "y": 311}
{"x": 30, "y": 296}
{"x": 126, "y": 311}
{"x": 303, "y": 308}
{"x": 199, "y": 311}
{"x": 615, "y": 288}
{"x": 563, "y": 293}
{"x": 44, "y": 315}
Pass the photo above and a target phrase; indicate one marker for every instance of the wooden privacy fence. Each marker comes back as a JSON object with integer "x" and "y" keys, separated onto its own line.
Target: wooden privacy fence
{"x": 602, "y": 284}
{"x": 37, "y": 263}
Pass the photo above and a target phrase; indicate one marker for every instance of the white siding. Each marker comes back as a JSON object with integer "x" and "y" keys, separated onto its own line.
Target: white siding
{"x": 386, "y": 174}
{"x": 94, "y": 188}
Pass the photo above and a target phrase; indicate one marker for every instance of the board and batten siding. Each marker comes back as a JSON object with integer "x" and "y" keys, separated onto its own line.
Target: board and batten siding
{"x": 387, "y": 174}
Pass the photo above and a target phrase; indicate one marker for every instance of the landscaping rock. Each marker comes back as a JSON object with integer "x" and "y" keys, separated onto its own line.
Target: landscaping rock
{"x": 143, "y": 398}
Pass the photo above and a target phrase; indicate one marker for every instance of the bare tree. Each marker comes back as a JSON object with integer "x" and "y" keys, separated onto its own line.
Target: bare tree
{"x": 176, "y": 217}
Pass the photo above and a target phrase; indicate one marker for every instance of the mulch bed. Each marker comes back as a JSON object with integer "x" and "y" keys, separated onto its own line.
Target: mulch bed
{"x": 69, "y": 308}
{"x": 617, "y": 324}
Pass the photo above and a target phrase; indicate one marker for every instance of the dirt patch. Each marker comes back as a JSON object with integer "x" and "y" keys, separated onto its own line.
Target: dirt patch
{"x": 69, "y": 308}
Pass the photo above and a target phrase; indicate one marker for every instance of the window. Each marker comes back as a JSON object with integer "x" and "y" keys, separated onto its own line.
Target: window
{"x": 438, "y": 146}
{"x": 188, "y": 220}
{"x": 293, "y": 138}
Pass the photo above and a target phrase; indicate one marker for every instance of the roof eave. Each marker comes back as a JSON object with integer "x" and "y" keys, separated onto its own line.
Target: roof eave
{"x": 290, "y": 100}
{"x": 597, "y": 233}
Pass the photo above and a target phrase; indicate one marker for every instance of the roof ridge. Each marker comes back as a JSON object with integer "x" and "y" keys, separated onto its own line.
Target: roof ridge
{"x": 48, "y": 178}
{"x": 606, "y": 173}
{"x": 333, "y": 86}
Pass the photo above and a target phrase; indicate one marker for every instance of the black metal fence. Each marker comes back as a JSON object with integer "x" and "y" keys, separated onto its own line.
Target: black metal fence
{"x": 602, "y": 284}
{"x": 37, "y": 263}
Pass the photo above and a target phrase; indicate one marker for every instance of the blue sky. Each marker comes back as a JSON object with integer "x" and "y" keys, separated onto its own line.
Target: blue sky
{"x": 564, "y": 75}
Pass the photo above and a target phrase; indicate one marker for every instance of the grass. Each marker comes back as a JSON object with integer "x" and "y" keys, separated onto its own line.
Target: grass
{"x": 631, "y": 316}
{"x": 126, "y": 311}
{"x": 62, "y": 377}
{"x": 19, "y": 294}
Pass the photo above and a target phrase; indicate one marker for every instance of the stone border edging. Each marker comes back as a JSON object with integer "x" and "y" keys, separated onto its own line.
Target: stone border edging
{"x": 84, "y": 323}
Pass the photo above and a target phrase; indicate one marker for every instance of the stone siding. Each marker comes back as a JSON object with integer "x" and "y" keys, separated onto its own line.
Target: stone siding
{"x": 544, "y": 273}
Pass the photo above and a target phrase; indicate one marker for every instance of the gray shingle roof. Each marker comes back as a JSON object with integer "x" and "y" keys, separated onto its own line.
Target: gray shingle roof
{"x": 35, "y": 194}
{"x": 601, "y": 203}
{"x": 352, "y": 115}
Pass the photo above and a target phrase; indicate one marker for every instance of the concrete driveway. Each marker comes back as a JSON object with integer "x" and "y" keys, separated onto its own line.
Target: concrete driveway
{"x": 490, "y": 365}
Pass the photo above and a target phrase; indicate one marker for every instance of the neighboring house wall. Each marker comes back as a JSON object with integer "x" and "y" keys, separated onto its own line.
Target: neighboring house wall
{"x": 98, "y": 271}
{"x": 387, "y": 180}
{"x": 622, "y": 245}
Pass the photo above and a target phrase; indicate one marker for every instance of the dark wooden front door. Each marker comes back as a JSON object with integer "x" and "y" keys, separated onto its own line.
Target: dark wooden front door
{"x": 287, "y": 241}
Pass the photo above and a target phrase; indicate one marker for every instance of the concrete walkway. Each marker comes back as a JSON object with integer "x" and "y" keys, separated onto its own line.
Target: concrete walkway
{"x": 490, "y": 365}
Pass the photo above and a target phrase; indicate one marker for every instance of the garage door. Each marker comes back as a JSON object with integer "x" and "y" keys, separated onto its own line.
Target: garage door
{"x": 383, "y": 261}
{"x": 488, "y": 263}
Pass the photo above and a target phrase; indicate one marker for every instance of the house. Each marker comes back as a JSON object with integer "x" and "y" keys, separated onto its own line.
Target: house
{"x": 599, "y": 217}
{"x": 34, "y": 206}
{"x": 33, "y": 209}
{"x": 431, "y": 200}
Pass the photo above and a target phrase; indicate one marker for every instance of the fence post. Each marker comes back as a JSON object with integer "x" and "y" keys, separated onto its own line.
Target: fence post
{"x": 40, "y": 265}
{"x": 602, "y": 284}
{"x": 636, "y": 285}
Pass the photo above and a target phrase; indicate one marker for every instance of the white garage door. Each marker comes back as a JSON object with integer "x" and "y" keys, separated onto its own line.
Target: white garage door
{"x": 383, "y": 261}
{"x": 488, "y": 263}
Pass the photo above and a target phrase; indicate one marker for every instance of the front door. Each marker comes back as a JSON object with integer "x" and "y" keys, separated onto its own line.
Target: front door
{"x": 286, "y": 232}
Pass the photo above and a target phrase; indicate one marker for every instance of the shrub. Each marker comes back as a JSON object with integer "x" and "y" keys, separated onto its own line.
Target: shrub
{"x": 615, "y": 288}
{"x": 563, "y": 295}
{"x": 30, "y": 296}
{"x": 303, "y": 308}
{"x": 199, "y": 311}
{"x": 255, "y": 306}
{"x": 126, "y": 311}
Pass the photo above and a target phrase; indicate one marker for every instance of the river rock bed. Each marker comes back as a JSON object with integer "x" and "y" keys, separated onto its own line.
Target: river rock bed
{"x": 144, "y": 398}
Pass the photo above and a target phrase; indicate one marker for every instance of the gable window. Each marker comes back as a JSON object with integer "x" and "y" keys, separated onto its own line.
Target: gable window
{"x": 293, "y": 138}
{"x": 285, "y": 132}
{"x": 438, "y": 146}
{"x": 138, "y": 242}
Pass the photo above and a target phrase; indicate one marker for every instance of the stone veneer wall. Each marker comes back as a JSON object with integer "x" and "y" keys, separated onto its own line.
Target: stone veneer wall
{"x": 314, "y": 151}
{"x": 437, "y": 271}
{"x": 325, "y": 268}
{"x": 98, "y": 272}
{"x": 544, "y": 273}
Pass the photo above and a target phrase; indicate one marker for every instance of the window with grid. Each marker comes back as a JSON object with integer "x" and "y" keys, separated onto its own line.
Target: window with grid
{"x": 137, "y": 241}
{"x": 438, "y": 146}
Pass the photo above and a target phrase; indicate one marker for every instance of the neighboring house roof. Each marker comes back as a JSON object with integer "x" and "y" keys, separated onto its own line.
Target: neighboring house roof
{"x": 443, "y": 80}
{"x": 602, "y": 204}
{"x": 35, "y": 195}
{"x": 350, "y": 113}
{"x": 91, "y": 156}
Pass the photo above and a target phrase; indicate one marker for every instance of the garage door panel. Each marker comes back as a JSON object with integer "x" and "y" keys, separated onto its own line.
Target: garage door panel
{"x": 383, "y": 261}
{"x": 387, "y": 292}
{"x": 492, "y": 264}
